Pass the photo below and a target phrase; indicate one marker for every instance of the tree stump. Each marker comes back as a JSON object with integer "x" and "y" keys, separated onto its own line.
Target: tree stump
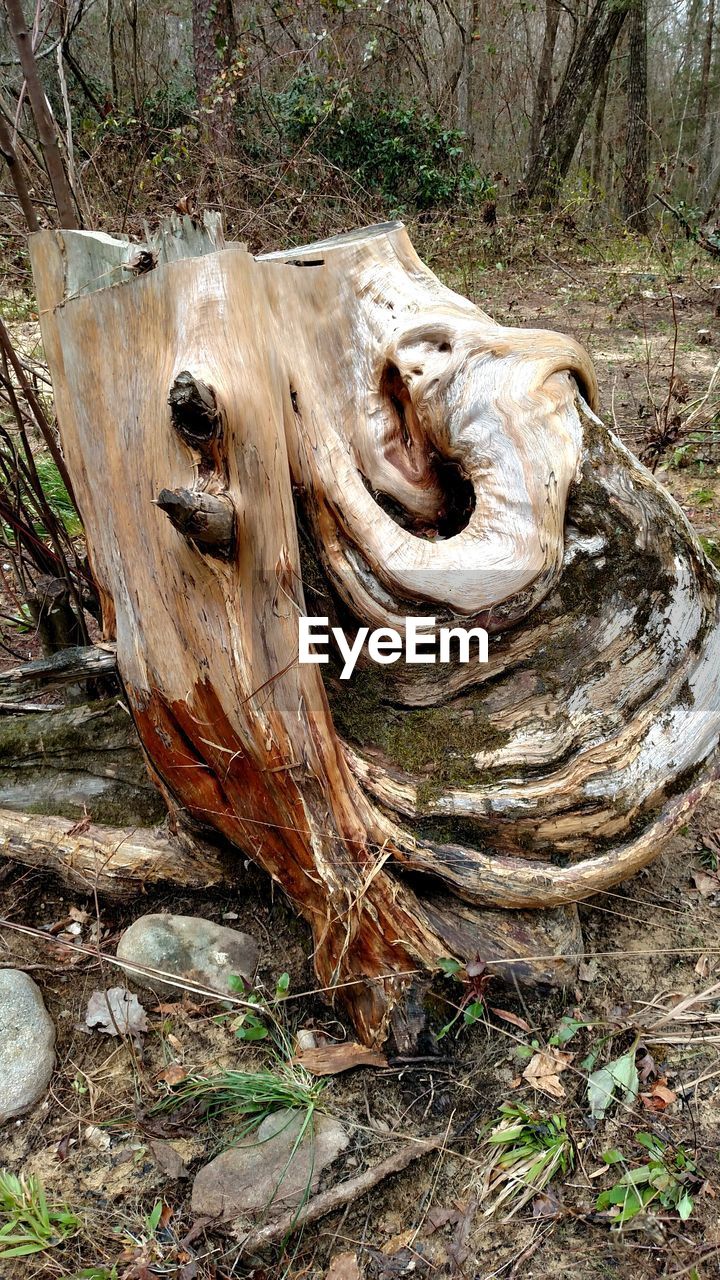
{"x": 331, "y": 432}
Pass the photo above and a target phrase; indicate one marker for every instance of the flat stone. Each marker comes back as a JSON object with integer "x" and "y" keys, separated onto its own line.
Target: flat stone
{"x": 27, "y": 1044}
{"x": 266, "y": 1174}
{"x": 188, "y": 947}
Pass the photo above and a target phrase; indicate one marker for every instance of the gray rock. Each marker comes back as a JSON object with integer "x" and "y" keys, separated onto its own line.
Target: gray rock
{"x": 189, "y": 947}
{"x": 27, "y": 1044}
{"x": 265, "y": 1173}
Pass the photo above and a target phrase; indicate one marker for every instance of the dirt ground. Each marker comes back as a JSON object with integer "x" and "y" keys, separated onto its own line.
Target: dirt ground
{"x": 652, "y": 956}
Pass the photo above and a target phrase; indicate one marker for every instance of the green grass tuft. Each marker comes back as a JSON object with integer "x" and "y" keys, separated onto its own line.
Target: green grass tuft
{"x": 250, "y": 1095}
{"x": 30, "y": 1225}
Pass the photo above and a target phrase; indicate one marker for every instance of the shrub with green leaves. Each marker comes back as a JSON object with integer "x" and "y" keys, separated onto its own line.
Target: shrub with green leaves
{"x": 398, "y": 149}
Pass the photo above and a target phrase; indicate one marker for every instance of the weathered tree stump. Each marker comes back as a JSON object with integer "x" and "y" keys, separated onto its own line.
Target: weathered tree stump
{"x": 371, "y": 446}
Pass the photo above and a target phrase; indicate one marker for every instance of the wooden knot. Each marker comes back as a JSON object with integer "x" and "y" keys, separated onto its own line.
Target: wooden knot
{"x": 194, "y": 410}
{"x": 207, "y": 518}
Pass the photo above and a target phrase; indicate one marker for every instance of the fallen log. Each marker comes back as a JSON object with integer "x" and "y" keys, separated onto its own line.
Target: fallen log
{"x": 68, "y": 666}
{"x": 109, "y": 860}
{"x": 388, "y": 452}
{"x": 78, "y": 760}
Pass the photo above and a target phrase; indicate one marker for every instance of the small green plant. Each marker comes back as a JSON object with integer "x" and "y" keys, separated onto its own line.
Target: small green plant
{"x": 153, "y": 1218}
{"x": 529, "y": 1150}
{"x": 694, "y": 443}
{"x": 567, "y": 1028}
{"x": 711, "y": 547}
{"x": 476, "y": 980}
{"x": 617, "y": 1081}
{"x": 252, "y": 1023}
{"x": 664, "y": 1179}
{"x": 95, "y": 1273}
{"x": 708, "y": 858}
{"x": 30, "y": 1224}
{"x": 57, "y": 496}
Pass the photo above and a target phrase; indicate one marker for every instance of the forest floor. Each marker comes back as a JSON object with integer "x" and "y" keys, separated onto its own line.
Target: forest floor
{"x": 652, "y": 956}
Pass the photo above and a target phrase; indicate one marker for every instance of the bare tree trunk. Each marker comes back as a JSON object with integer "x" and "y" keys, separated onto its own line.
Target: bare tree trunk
{"x": 133, "y": 22}
{"x": 214, "y": 40}
{"x": 635, "y": 193}
{"x": 705, "y": 71}
{"x": 599, "y": 130}
{"x": 45, "y": 124}
{"x": 565, "y": 120}
{"x": 17, "y": 175}
{"x": 110, "y": 32}
{"x": 544, "y": 78}
{"x": 702, "y": 129}
{"x": 386, "y": 447}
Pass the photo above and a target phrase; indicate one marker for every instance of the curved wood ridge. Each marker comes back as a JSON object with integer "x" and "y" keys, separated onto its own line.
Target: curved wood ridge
{"x": 372, "y": 446}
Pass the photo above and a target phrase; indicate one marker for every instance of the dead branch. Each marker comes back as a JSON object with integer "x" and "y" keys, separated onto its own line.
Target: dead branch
{"x": 344, "y": 1193}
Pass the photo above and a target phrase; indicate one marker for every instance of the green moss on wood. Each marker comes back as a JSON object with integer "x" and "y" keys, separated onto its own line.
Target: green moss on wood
{"x": 434, "y": 745}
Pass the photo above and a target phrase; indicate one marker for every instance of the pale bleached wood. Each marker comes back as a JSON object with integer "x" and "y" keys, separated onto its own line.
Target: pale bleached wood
{"x": 111, "y": 860}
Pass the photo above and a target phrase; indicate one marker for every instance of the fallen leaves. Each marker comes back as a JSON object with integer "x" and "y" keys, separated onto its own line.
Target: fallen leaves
{"x": 512, "y": 1018}
{"x": 547, "y": 1205}
{"x": 704, "y": 965}
{"x": 168, "y": 1159}
{"x": 344, "y": 1266}
{"x": 707, "y": 883}
{"x": 658, "y": 1097}
{"x": 173, "y": 1074}
{"x": 544, "y": 1069}
{"x": 116, "y": 1012}
{"x": 461, "y": 1218}
{"x": 97, "y": 1138}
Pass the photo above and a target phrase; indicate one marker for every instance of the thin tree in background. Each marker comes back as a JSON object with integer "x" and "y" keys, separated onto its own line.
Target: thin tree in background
{"x": 44, "y": 120}
{"x": 599, "y": 130}
{"x": 112, "y": 61}
{"x": 635, "y": 190}
{"x": 566, "y": 118}
{"x": 702, "y": 124}
{"x": 544, "y": 78}
{"x": 214, "y": 44}
{"x": 17, "y": 175}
